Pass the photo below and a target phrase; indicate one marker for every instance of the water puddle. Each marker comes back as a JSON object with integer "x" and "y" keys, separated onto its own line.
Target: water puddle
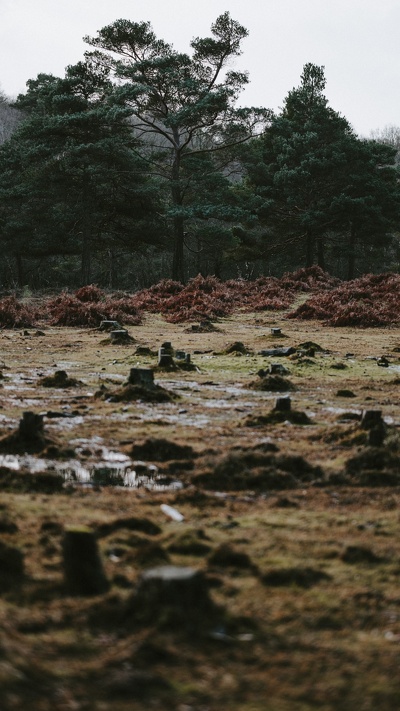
{"x": 98, "y": 466}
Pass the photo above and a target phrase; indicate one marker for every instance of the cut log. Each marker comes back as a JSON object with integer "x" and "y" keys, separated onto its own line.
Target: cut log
{"x": 141, "y": 376}
{"x": 83, "y": 569}
{"x": 283, "y": 404}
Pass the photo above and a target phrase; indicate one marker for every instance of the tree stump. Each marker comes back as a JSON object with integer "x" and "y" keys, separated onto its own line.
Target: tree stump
{"x": 120, "y": 336}
{"x": 11, "y": 566}
{"x": 109, "y": 326}
{"x": 174, "y": 595}
{"x": 31, "y": 427}
{"x": 371, "y": 418}
{"x": 165, "y": 359}
{"x": 141, "y": 376}
{"x": 283, "y": 404}
{"x": 83, "y": 570}
{"x": 376, "y": 435}
{"x": 278, "y": 369}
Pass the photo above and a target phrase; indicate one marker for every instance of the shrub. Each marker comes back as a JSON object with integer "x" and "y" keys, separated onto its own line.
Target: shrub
{"x": 371, "y": 301}
{"x": 15, "y": 314}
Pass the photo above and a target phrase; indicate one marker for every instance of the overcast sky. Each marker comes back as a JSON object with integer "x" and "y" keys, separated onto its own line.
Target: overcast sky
{"x": 358, "y": 42}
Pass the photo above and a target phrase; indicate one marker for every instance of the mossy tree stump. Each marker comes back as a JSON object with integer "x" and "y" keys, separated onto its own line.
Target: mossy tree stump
{"x": 83, "y": 569}
{"x": 141, "y": 376}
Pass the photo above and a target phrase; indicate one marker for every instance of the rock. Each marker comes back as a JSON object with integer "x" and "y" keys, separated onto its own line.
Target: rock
{"x": 83, "y": 569}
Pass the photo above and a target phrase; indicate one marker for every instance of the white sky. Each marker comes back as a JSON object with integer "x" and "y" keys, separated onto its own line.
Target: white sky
{"x": 358, "y": 42}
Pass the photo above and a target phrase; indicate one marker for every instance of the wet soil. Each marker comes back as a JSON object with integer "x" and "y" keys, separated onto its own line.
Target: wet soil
{"x": 288, "y": 532}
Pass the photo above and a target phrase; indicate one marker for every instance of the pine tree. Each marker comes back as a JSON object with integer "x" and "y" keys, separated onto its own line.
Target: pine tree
{"x": 181, "y": 105}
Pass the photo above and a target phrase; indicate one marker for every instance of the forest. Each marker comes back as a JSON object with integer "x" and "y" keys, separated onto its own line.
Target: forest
{"x": 139, "y": 165}
{"x": 199, "y": 390}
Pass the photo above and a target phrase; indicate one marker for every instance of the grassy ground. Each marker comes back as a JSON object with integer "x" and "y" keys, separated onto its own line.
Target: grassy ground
{"x": 299, "y": 549}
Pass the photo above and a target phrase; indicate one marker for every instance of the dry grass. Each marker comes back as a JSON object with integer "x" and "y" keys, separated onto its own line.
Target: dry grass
{"x": 307, "y": 589}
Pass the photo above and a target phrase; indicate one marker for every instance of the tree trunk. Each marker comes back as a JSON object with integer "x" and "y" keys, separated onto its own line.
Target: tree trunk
{"x": 309, "y": 249}
{"x": 321, "y": 252}
{"x": 20, "y": 271}
{"x": 351, "y": 262}
{"x": 85, "y": 263}
{"x": 178, "y": 272}
{"x": 111, "y": 268}
{"x": 86, "y": 234}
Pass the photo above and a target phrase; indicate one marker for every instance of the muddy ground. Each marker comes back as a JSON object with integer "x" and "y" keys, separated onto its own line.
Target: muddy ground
{"x": 290, "y": 519}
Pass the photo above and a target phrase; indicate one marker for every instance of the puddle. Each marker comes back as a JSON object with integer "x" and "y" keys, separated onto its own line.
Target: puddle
{"x": 341, "y": 410}
{"x": 227, "y": 404}
{"x": 108, "y": 469}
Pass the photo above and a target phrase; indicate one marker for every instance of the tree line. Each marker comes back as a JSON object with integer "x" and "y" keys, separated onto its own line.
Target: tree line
{"x": 138, "y": 165}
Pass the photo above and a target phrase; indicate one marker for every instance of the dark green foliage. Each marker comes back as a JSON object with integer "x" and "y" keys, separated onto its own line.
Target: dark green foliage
{"x": 183, "y": 111}
{"x": 318, "y": 187}
{"x": 70, "y": 180}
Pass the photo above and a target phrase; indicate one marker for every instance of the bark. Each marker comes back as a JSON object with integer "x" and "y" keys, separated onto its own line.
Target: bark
{"x": 351, "y": 261}
{"x": 310, "y": 243}
{"x": 321, "y": 252}
{"x": 85, "y": 263}
{"x": 111, "y": 268}
{"x": 20, "y": 271}
{"x": 178, "y": 273}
